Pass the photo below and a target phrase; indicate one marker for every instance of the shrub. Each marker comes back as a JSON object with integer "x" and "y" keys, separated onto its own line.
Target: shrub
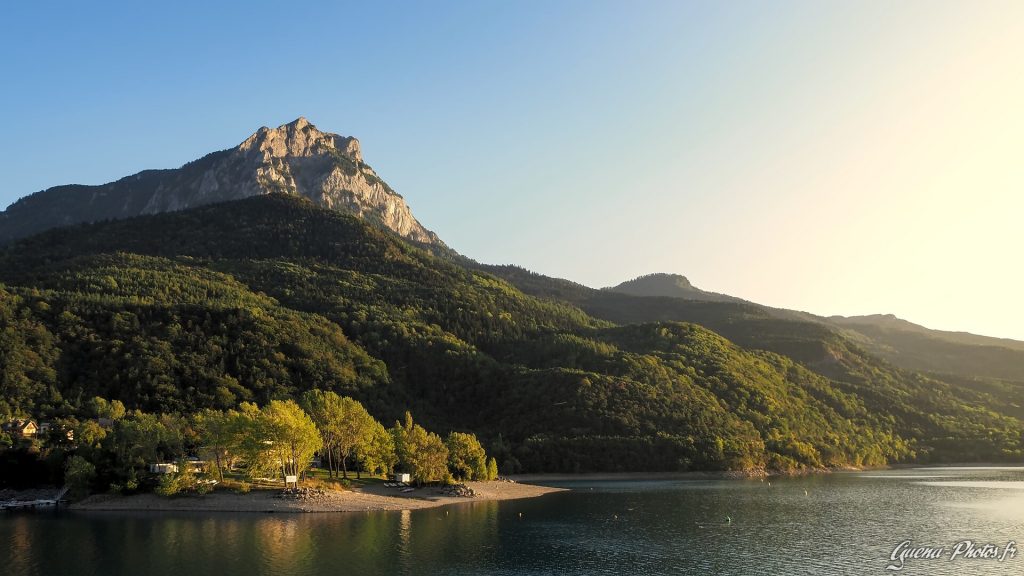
{"x": 78, "y": 476}
{"x": 169, "y": 485}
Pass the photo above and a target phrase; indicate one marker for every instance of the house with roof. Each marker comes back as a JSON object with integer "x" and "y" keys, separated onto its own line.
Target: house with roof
{"x": 20, "y": 428}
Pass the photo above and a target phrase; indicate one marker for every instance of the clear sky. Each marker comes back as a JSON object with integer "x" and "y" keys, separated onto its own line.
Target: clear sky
{"x": 836, "y": 157}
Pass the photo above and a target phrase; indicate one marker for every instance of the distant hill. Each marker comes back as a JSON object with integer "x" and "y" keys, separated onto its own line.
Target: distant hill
{"x": 913, "y": 346}
{"x": 903, "y": 343}
{"x": 890, "y": 323}
{"x": 826, "y": 349}
{"x": 669, "y": 286}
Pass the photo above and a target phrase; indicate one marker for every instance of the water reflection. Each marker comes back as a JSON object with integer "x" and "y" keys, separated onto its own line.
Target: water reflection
{"x": 405, "y": 541}
{"x": 834, "y": 524}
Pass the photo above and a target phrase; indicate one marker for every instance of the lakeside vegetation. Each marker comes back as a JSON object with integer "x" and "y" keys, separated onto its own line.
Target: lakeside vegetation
{"x": 233, "y": 307}
{"x": 124, "y": 451}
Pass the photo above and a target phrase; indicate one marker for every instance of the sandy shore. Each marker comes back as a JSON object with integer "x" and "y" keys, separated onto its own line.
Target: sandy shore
{"x": 361, "y": 500}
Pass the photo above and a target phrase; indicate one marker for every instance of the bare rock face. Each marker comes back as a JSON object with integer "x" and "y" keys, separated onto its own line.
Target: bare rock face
{"x": 295, "y": 158}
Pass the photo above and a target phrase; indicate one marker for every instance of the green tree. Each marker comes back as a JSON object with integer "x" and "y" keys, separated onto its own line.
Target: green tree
{"x": 292, "y": 436}
{"x": 101, "y": 408}
{"x": 253, "y": 442}
{"x": 89, "y": 434}
{"x": 356, "y": 429}
{"x": 141, "y": 439}
{"x": 466, "y": 457}
{"x": 421, "y": 453}
{"x": 78, "y": 476}
{"x": 492, "y": 469}
{"x": 377, "y": 454}
{"x": 326, "y": 410}
{"x": 219, "y": 437}
{"x": 345, "y": 427}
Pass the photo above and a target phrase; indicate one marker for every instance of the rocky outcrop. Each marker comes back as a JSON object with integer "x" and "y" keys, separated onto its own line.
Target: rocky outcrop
{"x": 295, "y": 158}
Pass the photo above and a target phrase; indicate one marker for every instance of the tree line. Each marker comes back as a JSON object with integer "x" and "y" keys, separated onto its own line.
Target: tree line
{"x": 114, "y": 449}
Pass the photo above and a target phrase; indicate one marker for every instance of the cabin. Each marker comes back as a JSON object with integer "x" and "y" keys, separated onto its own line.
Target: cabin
{"x": 163, "y": 468}
{"x": 192, "y": 463}
{"x": 401, "y": 477}
{"x": 20, "y": 428}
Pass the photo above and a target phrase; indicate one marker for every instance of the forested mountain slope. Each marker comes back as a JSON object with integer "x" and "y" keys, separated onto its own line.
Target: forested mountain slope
{"x": 946, "y": 409}
{"x": 958, "y": 355}
{"x": 263, "y": 298}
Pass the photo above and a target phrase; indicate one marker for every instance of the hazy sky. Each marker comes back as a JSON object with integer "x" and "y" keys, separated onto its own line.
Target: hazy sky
{"x": 836, "y": 157}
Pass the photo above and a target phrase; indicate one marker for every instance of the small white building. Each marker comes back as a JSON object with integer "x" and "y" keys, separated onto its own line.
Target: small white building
{"x": 401, "y": 477}
{"x": 163, "y": 468}
{"x": 21, "y": 428}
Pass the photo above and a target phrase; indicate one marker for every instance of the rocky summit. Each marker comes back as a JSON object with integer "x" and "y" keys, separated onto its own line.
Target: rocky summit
{"x": 295, "y": 158}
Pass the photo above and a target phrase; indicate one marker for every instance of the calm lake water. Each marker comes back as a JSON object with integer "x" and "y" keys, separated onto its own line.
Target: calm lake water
{"x": 846, "y": 523}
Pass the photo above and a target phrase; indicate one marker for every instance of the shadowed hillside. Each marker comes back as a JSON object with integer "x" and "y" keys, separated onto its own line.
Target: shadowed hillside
{"x": 263, "y": 298}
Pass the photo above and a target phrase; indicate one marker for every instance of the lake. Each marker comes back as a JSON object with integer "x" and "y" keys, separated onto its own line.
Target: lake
{"x": 843, "y": 523}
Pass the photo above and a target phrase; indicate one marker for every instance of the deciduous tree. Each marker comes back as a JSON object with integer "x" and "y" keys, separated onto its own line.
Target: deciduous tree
{"x": 423, "y": 454}
{"x": 466, "y": 457}
{"x": 291, "y": 436}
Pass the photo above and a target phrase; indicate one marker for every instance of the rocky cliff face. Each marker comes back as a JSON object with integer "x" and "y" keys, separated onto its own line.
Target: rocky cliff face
{"x": 295, "y": 158}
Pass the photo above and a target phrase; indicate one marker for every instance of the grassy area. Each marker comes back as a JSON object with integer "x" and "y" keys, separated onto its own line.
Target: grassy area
{"x": 320, "y": 476}
{"x": 315, "y": 478}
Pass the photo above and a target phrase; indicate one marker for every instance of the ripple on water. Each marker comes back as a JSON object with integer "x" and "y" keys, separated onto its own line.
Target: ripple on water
{"x": 829, "y": 524}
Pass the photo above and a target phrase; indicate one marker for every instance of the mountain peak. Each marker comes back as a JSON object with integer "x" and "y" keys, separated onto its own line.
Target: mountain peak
{"x": 300, "y": 138}
{"x": 295, "y": 158}
{"x": 661, "y": 281}
{"x": 676, "y": 279}
{"x": 662, "y": 284}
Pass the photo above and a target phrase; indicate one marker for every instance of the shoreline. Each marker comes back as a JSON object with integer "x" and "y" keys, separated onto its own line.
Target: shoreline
{"x": 685, "y": 475}
{"x": 741, "y": 474}
{"x": 628, "y": 476}
{"x": 377, "y": 498}
{"x": 367, "y": 499}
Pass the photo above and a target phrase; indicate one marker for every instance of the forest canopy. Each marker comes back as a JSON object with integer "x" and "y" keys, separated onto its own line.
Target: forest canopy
{"x": 271, "y": 299}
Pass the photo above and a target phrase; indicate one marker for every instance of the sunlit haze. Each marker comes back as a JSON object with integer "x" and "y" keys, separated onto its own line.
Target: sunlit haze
{"x": 834, "y": 157}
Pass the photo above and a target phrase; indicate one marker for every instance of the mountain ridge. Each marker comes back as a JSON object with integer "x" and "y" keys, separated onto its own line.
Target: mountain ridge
{"x": 664, "y": 296}
{"x": 295, "y": 158}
